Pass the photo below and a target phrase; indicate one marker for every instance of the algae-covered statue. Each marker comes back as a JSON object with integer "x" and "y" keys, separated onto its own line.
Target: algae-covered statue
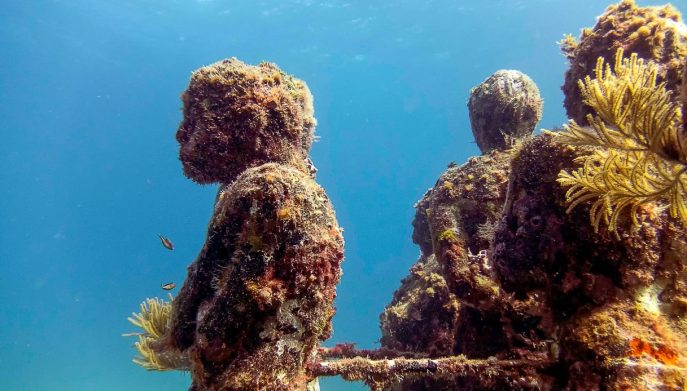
{"x": 587, "y": 255}
{"x": 257, "y": 301}
{"x": 451, "y": 303}
{"x": 549, "y": 262}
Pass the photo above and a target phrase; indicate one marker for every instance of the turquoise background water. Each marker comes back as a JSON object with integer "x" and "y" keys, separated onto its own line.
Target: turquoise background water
{"x": 89, "y": 103}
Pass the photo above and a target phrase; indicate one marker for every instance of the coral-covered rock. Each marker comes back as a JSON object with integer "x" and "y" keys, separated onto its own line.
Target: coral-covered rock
{"x": 258, "y": 299}
{"x": 506, "y": 105}
{"x": 654, "y": 33}
{"x": 238, "y": 116}
{"x": 645, "y": 351}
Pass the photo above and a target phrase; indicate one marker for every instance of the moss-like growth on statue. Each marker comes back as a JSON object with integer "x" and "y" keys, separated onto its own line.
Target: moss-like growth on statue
{"x": 506, "y": 106}
{"x": 258, "y": 299}
{"x": 654, "y": 33}
{"x": 451, "y": 301}
{"x": 570, "y": 285}
{"x": 238, "y": 116}
{"x": 423, "y": 314}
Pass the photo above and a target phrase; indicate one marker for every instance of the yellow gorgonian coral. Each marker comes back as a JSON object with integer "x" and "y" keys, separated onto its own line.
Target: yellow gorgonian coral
{"x": 154, "y": 321}
{"x": 643, "y": 154}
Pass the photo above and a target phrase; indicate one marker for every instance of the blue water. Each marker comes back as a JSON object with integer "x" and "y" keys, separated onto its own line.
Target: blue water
{"x": 89, "y": 104}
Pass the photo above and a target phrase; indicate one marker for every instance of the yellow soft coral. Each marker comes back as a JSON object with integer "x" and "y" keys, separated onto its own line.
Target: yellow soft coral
{"x": 154, "y": 321}
{"x": 643, "y": 154}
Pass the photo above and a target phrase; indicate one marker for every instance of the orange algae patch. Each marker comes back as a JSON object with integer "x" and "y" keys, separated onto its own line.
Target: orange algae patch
{"x": 284, "y": 213}
{"x": 639, "y": 347}
{"x": 666, "y": 355}
{"x": 662, "y": 354}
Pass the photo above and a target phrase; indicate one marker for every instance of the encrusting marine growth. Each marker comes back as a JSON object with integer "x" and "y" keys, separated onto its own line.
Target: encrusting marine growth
{"x": 655, "y": 34}
{"x": 587, "y": 310}
{"x": 506, "y": 103}
{"x": 642, "y": 159}
{"x": 450, "y": 303}
{"x": 257, "y": 300}
{"x": 238, "y": 116}
{"x": 514, "y": 288}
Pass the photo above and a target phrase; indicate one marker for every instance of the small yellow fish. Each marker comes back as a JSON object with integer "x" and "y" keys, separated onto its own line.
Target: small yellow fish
{"x": 166, "y": 242}
{"x": 169, "y": 286}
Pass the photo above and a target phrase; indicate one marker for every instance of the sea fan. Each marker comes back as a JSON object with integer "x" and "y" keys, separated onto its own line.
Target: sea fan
{"x": 154, "y": 321}
{"x": 642, "y": 157}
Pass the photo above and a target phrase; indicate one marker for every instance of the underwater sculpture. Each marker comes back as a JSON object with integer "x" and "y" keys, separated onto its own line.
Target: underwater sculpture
{"x": 450, "y": 304}
{"x": 257, "y": 301}
{"x": 503, "y": 108}
{"x": 515, "y": 287}
{"x": 443, "y": 288}
{"x": 653, "y": 33}
{"x": 604, "y": 308}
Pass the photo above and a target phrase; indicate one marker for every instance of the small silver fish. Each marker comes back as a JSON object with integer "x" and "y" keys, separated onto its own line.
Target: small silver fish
{"x": 169, "y": 286}
{"x": 312, "y": 170}
{"x": 166, "y": 242}
{"x": 132, "y": 334}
